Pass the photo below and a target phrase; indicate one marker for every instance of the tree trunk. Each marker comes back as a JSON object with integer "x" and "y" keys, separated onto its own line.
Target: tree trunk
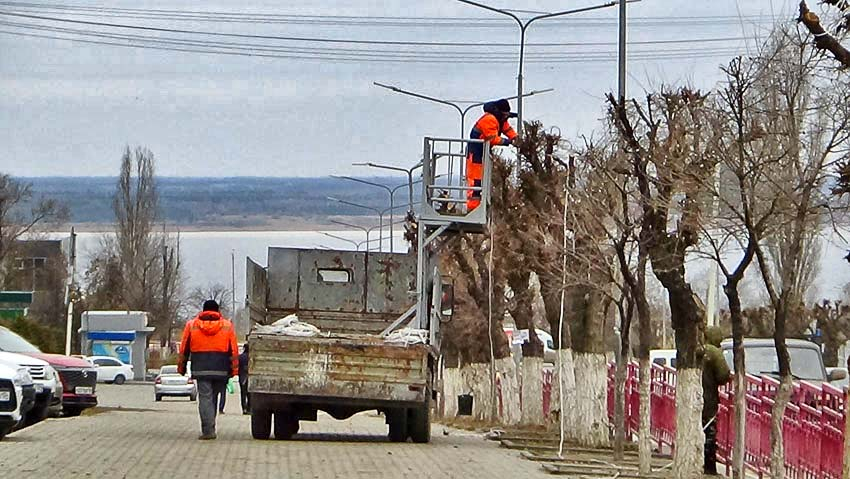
{"x": 591, "y": 405}
{"x": 532, "y": 391}
{"x": 777, "y": 446}
{"x": 688, "y": 456}
{"x": 644, "y": 433}
{"x": 736, "y": 317}
{"x": 477, "y": 380}
{"x": 453, "y": 386}
{"x": 620, "y": 407}
{"x": 510, "y": 412}
{"x": 564, "y": 391}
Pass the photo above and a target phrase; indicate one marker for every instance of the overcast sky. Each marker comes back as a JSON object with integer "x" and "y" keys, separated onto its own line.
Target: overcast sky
{"x": 68, "y": 108}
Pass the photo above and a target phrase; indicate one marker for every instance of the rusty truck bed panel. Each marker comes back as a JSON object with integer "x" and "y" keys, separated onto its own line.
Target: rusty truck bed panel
{"x": 338, "y": 366}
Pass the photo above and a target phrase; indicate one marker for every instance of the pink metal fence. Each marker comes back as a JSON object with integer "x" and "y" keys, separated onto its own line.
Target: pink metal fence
{"x": 813, "y": 426}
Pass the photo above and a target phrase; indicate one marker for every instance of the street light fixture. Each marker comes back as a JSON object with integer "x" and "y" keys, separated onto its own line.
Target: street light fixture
{"x": 523, "y": 26}
{"x": 358, "y": 205}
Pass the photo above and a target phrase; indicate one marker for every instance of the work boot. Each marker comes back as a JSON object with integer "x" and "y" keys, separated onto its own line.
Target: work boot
{"x": 206, "y": 437}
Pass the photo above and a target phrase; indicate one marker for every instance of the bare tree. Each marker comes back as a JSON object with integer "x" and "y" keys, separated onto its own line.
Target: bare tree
{"x": 666, "y": 140}
{"x": 218, "y": 292}
{"x": 806, "y": 114}
{"x": 138, "y": 268}
{"x": 21, "y": 214}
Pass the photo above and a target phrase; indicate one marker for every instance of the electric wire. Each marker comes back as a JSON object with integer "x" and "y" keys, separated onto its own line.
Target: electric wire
{"x": 271, "y": 37}
{"x": 470, "y": 60}
{"x": 340, "y": 51}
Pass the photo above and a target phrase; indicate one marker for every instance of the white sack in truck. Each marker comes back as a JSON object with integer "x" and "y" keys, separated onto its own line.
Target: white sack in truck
{"x": 408, "y": 336}
{"x": 289, "y": 326}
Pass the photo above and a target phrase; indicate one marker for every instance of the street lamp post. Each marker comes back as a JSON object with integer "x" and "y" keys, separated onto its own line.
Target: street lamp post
{"x": 389, "y": 191}
{"x": 376, "y": 210}
{"x": 523, "y": 26}
{"x": 407, "y": 171}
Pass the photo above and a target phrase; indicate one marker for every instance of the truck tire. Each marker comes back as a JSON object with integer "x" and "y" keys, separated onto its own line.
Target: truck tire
{"x": 419, "y": 423}
{"x": 285, "y": 425}
{"x": 397, "y": 422}
{"x": 261, "y": 424}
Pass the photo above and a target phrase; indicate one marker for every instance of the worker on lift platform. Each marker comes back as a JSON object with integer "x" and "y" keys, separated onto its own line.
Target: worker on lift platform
{"x": 490, "y": 128}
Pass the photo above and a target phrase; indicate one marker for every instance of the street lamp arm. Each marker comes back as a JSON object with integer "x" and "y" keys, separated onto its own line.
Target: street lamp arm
{"x": 525, "y": 95}
{"x": 493, "y": 9}
{"x": 418, "y": 95}
{"x": 358, "y": 180}
{"x": 570, "y": 12}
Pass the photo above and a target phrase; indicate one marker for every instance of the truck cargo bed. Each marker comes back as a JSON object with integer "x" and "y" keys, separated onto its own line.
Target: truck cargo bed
{"x": 359, "y": 367}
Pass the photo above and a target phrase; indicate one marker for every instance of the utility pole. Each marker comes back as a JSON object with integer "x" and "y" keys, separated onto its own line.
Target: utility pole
{"x": 69, "y": 291}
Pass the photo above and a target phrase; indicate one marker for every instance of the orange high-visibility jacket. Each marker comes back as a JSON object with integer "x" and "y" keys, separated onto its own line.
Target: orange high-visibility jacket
{"x": 487, "y": 128}
{"x": 209, "y": 341}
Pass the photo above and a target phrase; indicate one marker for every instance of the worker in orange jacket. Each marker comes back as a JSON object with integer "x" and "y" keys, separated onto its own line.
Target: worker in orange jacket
{"x": 490, "y": 128}
{"x": 209, "y": 341}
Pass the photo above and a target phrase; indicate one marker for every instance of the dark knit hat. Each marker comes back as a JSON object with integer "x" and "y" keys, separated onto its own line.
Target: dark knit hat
{"x": 505, "y": 107}
{"x": 210, "y": 305}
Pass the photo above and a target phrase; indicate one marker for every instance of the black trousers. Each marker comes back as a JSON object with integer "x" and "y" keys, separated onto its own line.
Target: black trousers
{"x": 711, "y": 448}
{"x": 243, "y": 392}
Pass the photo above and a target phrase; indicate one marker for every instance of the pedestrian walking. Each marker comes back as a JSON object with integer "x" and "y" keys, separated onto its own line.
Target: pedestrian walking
{"x": 243, "y": 380}
{"x": 715, "y": 373}
{"x": 209, "y": 341}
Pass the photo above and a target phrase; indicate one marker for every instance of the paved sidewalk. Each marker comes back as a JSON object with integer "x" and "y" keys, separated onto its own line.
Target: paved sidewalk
{"x": 151, "y": 440}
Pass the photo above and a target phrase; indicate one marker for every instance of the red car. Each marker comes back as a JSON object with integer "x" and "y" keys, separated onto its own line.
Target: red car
{"x": 78, "y": 376}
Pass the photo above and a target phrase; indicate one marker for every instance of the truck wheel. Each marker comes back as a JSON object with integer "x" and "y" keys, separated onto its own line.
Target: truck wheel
{"x": 397, "y": 421}
{"x": 419, "y": 423}
{"x": 261, "y": 424}
{"x": 285, "y": 426}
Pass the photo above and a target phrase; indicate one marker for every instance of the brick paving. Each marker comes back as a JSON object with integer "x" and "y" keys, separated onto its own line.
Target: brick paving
{"x": 151, "y": 440}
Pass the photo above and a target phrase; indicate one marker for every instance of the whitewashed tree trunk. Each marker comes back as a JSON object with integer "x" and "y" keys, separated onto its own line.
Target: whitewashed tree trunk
{"x": 644, "y": 433}
{"x": 453, "y": 386}
{"x": 777, "y": 444}
{"x": 740, "y": 446}
{"x": 567, "y": 383}
{"x": 591, "y": 399}
{"x": 477, "y": 380}
{"x": 509, "y": 379}
{"x": 688, "y": 458}
{"x": 532, "y": 391}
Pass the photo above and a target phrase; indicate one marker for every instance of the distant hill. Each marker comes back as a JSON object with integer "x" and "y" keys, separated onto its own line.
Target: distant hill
{"x": 239, "y": 201}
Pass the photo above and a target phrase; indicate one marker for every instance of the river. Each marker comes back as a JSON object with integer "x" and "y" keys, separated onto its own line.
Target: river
{"x": 206, "y": 255}
{"x": 207, "y": 258}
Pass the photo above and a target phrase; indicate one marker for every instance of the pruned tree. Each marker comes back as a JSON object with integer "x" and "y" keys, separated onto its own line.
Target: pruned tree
{"x": 666, "y": 138}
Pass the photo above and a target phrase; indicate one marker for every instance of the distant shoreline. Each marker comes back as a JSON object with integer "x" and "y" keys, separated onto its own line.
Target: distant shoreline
{"x": 251, "y": 224}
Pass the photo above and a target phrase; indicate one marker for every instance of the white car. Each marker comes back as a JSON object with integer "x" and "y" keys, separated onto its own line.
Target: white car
{"x": 17, "y": 396}
{"x": 111, "y": 370}
{"x": 48, "y": 386}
